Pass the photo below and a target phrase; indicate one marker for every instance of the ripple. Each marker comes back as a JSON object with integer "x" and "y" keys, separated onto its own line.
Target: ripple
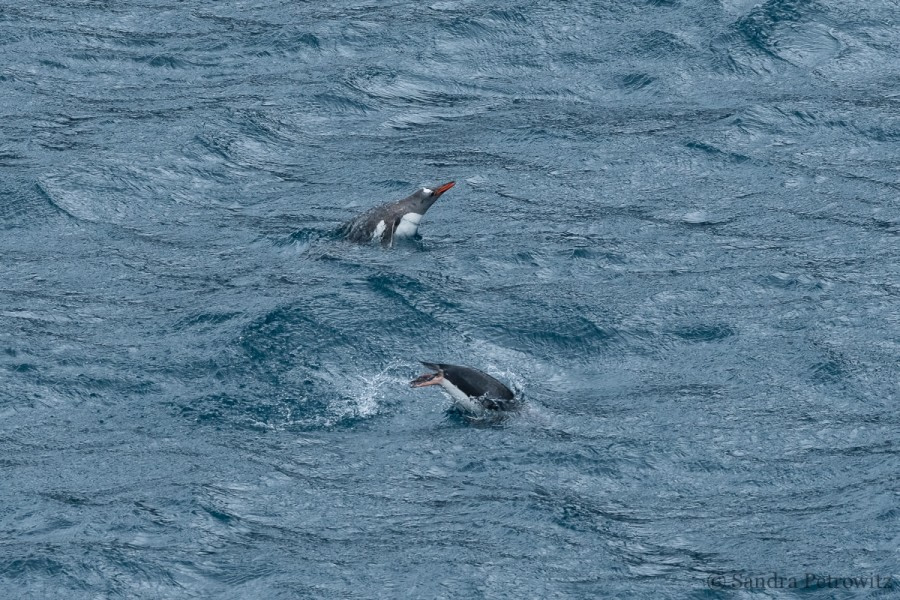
{"x": 704, "y": 333}
{"x": 637, "y": 81}
{"x": 402, "y": 90}
{"x": 785, "y": 30}
{"x": 79, "y": 204}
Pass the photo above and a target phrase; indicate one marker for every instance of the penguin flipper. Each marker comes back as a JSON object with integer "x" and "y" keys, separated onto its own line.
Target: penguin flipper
{"x": 387, "y": 237}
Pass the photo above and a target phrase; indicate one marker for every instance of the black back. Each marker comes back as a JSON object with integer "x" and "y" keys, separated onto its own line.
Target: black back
{"x": 473, "y": 383}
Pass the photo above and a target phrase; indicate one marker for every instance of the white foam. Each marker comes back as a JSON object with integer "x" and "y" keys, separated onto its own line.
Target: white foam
{"x": 365, "y": 400}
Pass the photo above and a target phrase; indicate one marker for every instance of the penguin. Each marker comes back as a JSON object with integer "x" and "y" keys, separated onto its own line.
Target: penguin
{"x": 394, "y": 220}
{"x": 471, "y": 389}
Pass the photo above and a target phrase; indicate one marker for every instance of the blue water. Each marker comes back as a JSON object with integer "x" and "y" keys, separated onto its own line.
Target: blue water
{"x": 675, "y": 232}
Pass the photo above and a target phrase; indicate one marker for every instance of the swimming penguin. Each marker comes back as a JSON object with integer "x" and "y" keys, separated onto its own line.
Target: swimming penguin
{"x": 394, "y": 220}
{"x": 470, "y": 388}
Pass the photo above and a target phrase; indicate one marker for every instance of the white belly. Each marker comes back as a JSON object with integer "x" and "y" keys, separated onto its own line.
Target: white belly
{"x": 408, "y": 225}
{"x": 460, "y": 397}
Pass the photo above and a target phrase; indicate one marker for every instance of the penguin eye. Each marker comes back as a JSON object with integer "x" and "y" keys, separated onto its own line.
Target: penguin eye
{"x": 427, "y": 191}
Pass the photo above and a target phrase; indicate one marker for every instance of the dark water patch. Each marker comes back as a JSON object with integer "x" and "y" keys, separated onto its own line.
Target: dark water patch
{"x": 472, "y": 29}
{"x": 128, "y": 38}
{"x": 661, "y": 43}
{"x": 487, "y": 27}
{"x": 759, "y": 24}
{"x": 397, "y": 90}
{"x": 71, "y": 499}
{"x": 53, "y": 64}
{"x": 25, "y": 202}
{"x": 570, "y": 510}
{"x": 98, "y": 195}
{"x": 303, "y": 238}
{"x": 885, "y": 131}
{"x": 637, "y": 81}
{"x": 111, "y": 385}
{"x": 704, "y": 333}
{"x": 342, "y": 104}
{"x": 428, "y": 305}
{"x": 271, "y": 340}
{"x": 32, "y": 567}
{"x": 717, "y": 152}
{"x": 761, "y": 120}
{"x": 788, "y": 281}
{"x": 780, "y": 33}
{"x": 205, "y": 320}
{"x": 572, "y": 336}
{"x": 163, "y": 61}
{"x": 686, "y": 390}
{"x": 309, "y": 39}
{"x": 834, "y": 368}
{"x": 222, "y": 517}
{"x": 509, "y": 18}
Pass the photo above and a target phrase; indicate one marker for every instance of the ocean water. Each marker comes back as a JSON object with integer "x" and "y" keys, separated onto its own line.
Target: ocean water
{"x": 675, "y": 232}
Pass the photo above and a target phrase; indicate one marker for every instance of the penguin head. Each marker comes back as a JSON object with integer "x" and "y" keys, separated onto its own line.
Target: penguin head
{"x": 429, "y": 378}
{"x": 423, "y": 198}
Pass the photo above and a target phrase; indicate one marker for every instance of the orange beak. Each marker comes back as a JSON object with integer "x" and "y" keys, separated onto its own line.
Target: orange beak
{"x": 443, "y": 188}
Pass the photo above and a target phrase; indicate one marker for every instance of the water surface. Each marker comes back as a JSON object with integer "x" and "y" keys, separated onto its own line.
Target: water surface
{"x": 675, "y": 232}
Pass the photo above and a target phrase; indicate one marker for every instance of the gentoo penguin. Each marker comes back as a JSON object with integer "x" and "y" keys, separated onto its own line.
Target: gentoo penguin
{"x": 470, "y": 388}
{"x": 394, "y": 220}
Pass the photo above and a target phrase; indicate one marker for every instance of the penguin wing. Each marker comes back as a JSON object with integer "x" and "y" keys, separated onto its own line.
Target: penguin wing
{"x": 387, "y": 238}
